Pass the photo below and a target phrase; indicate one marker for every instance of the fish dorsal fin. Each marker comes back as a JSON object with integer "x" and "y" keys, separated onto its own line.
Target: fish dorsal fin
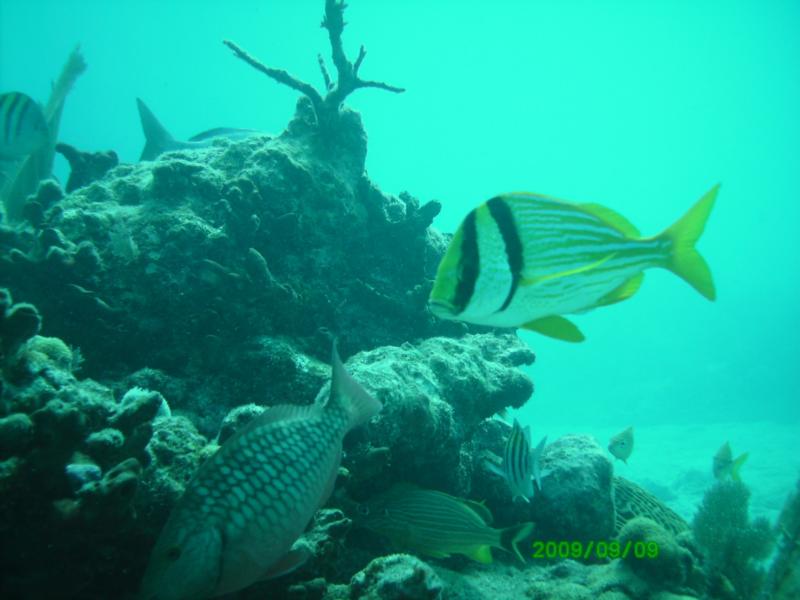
{"x": 356, "y": 401}
{"x": 480, "y": 509}
{"x": 623, "y": 292}
{"x": 556, "y": 327}
{"x": 533, "y": 280}
{"x": 612, "y": 218}
{"x": 157, "y": 138}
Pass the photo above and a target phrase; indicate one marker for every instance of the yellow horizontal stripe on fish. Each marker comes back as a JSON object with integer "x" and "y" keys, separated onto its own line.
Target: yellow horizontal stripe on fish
{"x": 524, "y": 260}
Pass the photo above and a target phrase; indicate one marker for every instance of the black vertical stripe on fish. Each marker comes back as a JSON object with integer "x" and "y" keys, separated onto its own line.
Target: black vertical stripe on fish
{"x": 9, "y": 110}
{"x": 468, "y": 264}
{"x": 501, "y": 214}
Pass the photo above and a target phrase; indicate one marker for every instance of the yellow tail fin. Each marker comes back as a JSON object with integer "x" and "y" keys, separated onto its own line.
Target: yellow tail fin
{"x": 684, "y": 260}
{"x": 737, "y": 466}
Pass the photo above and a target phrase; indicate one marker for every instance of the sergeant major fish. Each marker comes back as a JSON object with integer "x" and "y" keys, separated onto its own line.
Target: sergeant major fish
{"x": 521, "y": 465}
{"x": 524, "y": 260}
{"x": 23, "y": 128}
{"x": 158, "y": 140}
{"x": 239, "y": 516}
{"x": 436, "y": 524}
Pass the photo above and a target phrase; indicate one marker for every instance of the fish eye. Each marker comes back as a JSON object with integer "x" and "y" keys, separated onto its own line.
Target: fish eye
{"x": 174, "y": 553}
{"x": 363, "y": 510}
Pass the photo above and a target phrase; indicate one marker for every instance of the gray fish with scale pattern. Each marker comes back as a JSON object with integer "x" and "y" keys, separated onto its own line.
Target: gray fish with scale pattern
{"x": 247, "y": 505}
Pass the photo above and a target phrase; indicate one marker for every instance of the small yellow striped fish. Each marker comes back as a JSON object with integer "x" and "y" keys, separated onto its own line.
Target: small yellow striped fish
{"x": 240, "y": 515}
{"x": 524, "y": 260}
{"x": 436, "y": 524}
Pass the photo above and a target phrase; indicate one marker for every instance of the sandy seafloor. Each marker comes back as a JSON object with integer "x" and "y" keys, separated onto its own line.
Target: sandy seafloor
{"x": 674, "y": 461}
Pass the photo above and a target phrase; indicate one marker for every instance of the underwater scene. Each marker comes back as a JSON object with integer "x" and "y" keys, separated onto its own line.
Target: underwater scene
{"x": 317, "y": 300}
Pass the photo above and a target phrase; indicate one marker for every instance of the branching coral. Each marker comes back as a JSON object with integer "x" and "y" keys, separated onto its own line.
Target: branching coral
{"x": 326, "y": 107}
{"x": 732, "y": 542}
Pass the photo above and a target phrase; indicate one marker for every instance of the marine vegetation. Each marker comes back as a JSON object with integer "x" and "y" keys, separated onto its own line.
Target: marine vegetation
{"x": 734, "y": 545}
{"x": 783, "y": 580}
{"x": 524, "y": 260}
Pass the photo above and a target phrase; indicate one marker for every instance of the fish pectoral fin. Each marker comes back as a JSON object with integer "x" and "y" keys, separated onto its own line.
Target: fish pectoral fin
{"x": 482, "y": 554}
{"x": 535, "y": 279}
{"x": 493, "y": 468}
{"x": 556, "y": 327}
{"x": 623, "y": 292}
{"x": 292, "y": 560}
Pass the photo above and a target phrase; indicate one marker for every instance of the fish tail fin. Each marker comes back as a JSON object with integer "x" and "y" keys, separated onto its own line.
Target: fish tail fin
{"x": 737, "y": 466}
{"x": 684, "y": 260}
{"x": 356, "y": 401}
{"x": 512, "y": 536}
{"x": 157, "y": 138}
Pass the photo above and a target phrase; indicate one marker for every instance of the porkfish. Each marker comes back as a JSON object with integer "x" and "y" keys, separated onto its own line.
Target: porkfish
{"x": 436, "y": 524}
{"x": 240, "y": 515}
{"x": 525, "y": 260}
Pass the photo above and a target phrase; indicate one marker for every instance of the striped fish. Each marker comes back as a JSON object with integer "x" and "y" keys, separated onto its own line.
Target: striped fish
{"x": 521, "y": 465}
{"x": 23, "y": 128}
{"x": 436, "y": 524}
{"x": 524, "y": 260}
{"x": 240, "y": 515}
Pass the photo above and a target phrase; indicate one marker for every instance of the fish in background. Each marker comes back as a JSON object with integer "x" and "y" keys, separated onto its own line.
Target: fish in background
{"x": 240, "y": 515}
{"x": 23, "y": 128}
{"x": 524, "y": 260}
{"x": 724, "y": 465}
{"x": 621, "y": 445}
{"x": 521, "y": 465}
{"x": 438, "y": 525}
{"x": 22, "y": 179}
{"x": 158, "y": 140}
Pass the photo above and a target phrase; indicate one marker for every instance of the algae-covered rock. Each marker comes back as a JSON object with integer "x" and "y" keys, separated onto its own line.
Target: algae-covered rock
{"x": 396, "y": 577}
{"x": 576, "y": 502}
{"x": 434, "y": 394}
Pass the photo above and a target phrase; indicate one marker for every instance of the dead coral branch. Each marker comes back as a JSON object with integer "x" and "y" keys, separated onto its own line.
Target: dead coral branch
{"x": 326, "y": 107}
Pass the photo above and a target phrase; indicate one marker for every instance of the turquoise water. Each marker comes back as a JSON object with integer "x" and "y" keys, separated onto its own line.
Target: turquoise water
{"x": 641, "y": 106}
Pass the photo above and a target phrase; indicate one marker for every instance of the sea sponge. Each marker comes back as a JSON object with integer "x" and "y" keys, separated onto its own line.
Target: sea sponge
{"x": 732, "y": 543}
{"x": 670, "y": 568}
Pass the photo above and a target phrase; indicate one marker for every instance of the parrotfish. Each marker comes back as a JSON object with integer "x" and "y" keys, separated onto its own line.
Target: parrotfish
{"x": 436, "y": 524}
{"x": 621, "y": 445}
{"x": 158, "y": 140}
{"x": 23, "y": 127}
{"x": 247, "y": 505}
{"x": 524, "y": 260}
{"x": 725, "y": 465}
{"x": 521, "y": 464}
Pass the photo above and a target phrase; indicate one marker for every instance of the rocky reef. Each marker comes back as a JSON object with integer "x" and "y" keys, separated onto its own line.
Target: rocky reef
{"x": 161, "y": 306}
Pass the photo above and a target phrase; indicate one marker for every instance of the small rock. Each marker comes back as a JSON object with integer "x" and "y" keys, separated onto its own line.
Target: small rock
{"x": 396, "y": 577}
{"x": 79, "y": 474}
{"x": 238, "y": 418}
{"x": 16, "y": 434}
